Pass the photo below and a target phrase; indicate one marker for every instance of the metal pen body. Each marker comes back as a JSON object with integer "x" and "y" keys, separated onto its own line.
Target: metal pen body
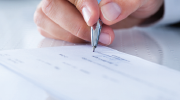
{"x": 95, "y": 33}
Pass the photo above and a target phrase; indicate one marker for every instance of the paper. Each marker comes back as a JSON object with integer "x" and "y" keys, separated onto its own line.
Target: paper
{"x": 13, "y": 87}
{"x": 77, "y": 73}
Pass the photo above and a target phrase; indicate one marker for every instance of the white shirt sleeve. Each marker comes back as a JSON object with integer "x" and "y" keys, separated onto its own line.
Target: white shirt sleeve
{"x": 171, "y": 12}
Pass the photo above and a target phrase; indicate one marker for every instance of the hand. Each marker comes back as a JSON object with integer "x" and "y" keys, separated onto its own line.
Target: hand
{"x": 70, "y": 20}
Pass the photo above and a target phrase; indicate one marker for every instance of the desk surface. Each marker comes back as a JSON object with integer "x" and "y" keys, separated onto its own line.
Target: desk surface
{"x": 18, "y": 31}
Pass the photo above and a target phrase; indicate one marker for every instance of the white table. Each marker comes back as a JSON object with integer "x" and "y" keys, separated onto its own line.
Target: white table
{"x": 18, "y": 31}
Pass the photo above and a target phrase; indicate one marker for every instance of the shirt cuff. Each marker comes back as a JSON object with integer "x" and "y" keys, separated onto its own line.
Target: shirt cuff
{"x": 171, "y": 12}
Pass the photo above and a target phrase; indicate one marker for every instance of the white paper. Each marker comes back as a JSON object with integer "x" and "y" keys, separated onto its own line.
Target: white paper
{"x": 77, "y": 73}
{"x": 13, "y": 87}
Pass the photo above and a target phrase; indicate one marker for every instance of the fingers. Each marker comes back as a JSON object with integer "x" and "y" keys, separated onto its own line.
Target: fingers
{"x": 45, "y": 34}
{"x": 67, "y": 16}
{"x": 72, "y": 39}
{"x": 69, "y": 20}
{"x": 113, "y": 11}
{"x": 50, "y": 29}
{"x": 89, "y": 9}
{"x": 106, "y": 36}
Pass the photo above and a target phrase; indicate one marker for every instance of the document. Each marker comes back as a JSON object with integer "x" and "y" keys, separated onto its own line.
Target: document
{"x": 13, "y": 87}
{"x": 77, "y": 73}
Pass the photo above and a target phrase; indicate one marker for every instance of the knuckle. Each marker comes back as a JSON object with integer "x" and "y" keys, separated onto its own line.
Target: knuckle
{"x": 79, "y": 30}
{"x": 38, "y": 18}
{"x": 77, "y": 3}
{"x": 83, "y": 32}
{"x": 47, "y": 6}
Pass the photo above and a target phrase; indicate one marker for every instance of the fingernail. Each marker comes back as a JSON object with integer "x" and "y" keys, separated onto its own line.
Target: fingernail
{"x": 111, "y": 11}
{"x": 105, "y": 38}
{"x": 86, "y": 14}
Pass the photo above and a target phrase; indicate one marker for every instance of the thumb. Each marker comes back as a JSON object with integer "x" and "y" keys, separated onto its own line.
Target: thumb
{"x": 89, "y": 10}
{"x": 113, "y": 11}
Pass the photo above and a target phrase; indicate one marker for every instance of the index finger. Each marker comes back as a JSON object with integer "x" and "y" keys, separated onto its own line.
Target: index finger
{"x": 89, "y": 9}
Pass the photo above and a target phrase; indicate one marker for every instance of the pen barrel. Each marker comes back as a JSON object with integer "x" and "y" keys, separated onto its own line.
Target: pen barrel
{"x": 95, "y": 33}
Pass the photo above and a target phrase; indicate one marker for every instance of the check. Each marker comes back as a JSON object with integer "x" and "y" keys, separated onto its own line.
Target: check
{"x": 77, "y": 73}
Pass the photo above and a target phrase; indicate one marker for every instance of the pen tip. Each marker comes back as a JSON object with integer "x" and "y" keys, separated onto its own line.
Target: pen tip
{"x": 94, "y": 48}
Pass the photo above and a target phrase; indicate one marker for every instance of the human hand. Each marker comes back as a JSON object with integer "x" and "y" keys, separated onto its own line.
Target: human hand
{"x": 70, "y": 20}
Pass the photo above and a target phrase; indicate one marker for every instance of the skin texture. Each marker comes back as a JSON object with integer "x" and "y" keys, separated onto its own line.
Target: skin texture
{"x": 70, "y": 20}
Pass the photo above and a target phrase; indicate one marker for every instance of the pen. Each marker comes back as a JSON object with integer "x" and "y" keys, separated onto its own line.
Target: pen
{"x": 95, "y": 33}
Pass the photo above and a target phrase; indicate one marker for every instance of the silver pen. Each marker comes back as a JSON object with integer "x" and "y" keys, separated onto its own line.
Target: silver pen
{"x": 95, "y": 33}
